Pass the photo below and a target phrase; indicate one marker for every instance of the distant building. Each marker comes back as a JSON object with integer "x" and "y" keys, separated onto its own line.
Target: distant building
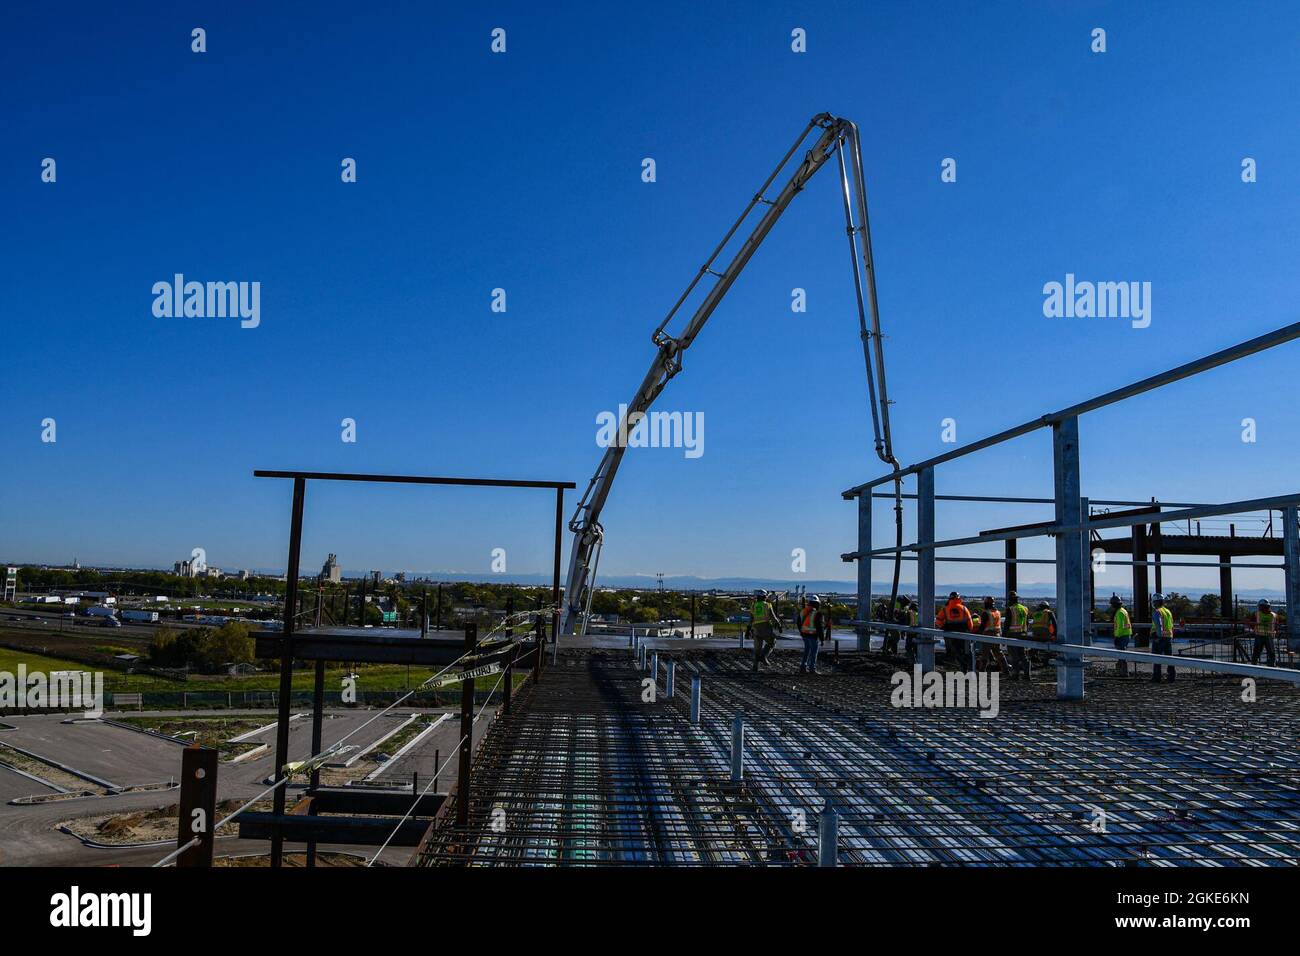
{"x": 185, "y": 569}
{"x": 330, "y": 570}
{"x": 11, "y": 584}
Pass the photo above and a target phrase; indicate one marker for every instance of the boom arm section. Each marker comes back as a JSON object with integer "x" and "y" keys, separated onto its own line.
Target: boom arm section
{"x": 835, "y": 134}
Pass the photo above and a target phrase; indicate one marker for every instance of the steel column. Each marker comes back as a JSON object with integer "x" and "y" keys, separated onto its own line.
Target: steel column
{"x": 317, "y": 719}
{"x": 198, "y": 807}
{"x": 1291, "y": 552}
{"x": 1225, "y": 587}
{"x": 286, "y": 665}
{"x": 555, "y": 573}
{"x": 1071, "y": 619}
{"x": 864, "y": 570}
{"x": 1010, "y": 570}
{"x": 1141, "y": 588}
{"x": 925, "y": 566}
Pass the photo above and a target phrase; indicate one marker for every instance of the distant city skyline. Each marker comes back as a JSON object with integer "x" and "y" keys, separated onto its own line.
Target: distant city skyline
{"x": 379, "y": 346}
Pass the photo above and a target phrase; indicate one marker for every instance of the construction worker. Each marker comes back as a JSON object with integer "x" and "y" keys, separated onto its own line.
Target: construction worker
{"x": 991, "y": 624}
{"x": 764, "y": 625}
{"x": 815, "y": 629}
{"x": 1162, "y": 635}
{"x": 1018, "y": 627}
{"x": 913, "y": 618}
{"x": 899, "y": 616}
{"x": 1265, "y": 627}
{"x": 1121, "y": 630}
{"x": 957, "y": 620}
{"x": 1042, "y": 627}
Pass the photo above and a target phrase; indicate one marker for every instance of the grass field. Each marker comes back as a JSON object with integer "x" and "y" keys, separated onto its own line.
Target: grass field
{"x": 370, "y": 677}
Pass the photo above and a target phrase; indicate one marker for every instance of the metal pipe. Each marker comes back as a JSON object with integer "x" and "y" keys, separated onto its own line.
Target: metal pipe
{"x": 828, "y": 837}
{"x": 737, "y": 748}
{"x": 1259, "y": 671}
{"x": 695, "y": 699}
{"x": 466, "y": 753}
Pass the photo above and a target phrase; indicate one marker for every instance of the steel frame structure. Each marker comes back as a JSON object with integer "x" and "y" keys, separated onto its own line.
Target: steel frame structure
{"x": 1070, "y": 526}
{"x": 586, "y": 772}
{"x": 339, "y": 644}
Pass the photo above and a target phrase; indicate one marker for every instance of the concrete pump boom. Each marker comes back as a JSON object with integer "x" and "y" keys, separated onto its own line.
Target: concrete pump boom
{"x": 836, "y": 134}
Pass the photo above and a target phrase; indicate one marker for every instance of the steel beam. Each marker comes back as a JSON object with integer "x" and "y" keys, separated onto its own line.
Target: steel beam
{"x": 1223, "y": 357}
{"x": 351, "y": 831}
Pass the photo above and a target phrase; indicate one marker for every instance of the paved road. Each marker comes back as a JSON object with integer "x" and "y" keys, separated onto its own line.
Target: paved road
{"x": 27, "y": 834}
{"x": 122, "y": 757}
{"x": 15, "y": 785}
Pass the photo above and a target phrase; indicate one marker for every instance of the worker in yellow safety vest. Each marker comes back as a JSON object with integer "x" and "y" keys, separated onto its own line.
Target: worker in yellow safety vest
{"x": 1044, "y": 623}
{"x": 1042, "y": 627}
{"x": 913, "y": 618}
{"x": 1162, "y": 635}
{"x": 763, "y": 624}
{"x": 1265, "y": 627}
{"x": 1018, "y": 627}
{"x": 1121, "y": 630}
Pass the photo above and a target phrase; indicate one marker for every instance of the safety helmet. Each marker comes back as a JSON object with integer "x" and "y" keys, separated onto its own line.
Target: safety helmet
{"x": 1157, "y": 599}
{"x": 1012, "y": 597}
{"x": 988, "y": 602}
{"x": 1115, "y": 601}
{"x": 759, "y": 593}
{"x": 1263, "y": 604}
{"x": 1044, "y": 606}
{"x": 814, "y": 599}
{"x": 954, "y": 596}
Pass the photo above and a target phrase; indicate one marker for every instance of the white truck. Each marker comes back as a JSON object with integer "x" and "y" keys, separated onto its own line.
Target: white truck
{"x": 140, "y": 617}
{"x": 103, "y": 615}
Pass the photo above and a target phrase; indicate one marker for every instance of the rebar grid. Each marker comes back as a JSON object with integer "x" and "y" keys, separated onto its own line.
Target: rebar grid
{"x": 583, "y": 772}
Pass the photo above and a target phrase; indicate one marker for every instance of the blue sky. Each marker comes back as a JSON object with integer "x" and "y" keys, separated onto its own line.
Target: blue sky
{"x": 522, "y": 171}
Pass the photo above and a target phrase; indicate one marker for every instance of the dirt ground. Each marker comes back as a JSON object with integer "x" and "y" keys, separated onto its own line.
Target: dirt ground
{"x": 146, "y": 826}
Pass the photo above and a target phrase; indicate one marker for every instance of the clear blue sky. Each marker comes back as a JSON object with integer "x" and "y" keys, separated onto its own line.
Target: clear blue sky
{"x": 522, "y": 171}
